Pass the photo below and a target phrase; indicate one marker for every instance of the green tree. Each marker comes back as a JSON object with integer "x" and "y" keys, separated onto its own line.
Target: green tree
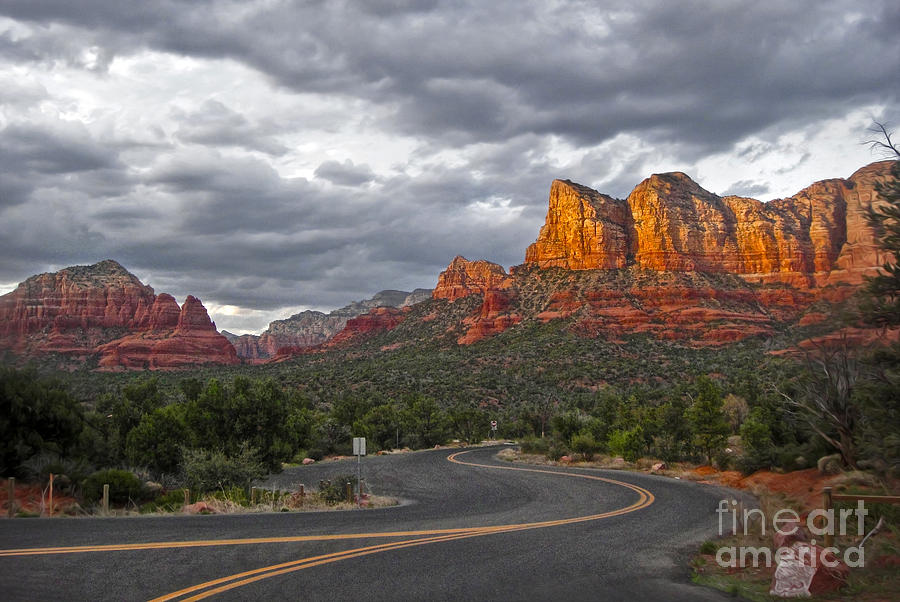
{"x": 707, "y": 419}
{"x": 121, "y": 412}
{"x": 380, "y": 426}
{"x": 467, "y": 421}
{"x": 584, "y": 443}
{"x": 36, "y": 416}
{"x": 627, "y": 443}
{"x": 156, "y": 442}
{"x": 881, "y": 303}
{"x": 424, "y": 421}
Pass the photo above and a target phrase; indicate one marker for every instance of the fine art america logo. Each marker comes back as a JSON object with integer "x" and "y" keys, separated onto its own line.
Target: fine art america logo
{"x": 792, "y": 545}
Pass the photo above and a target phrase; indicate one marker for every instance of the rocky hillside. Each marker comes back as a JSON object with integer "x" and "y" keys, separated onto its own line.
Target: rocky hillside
{"x": 103, "y": 310}
{"x": 312, "y": 328}
{"x": 672, "y": 261}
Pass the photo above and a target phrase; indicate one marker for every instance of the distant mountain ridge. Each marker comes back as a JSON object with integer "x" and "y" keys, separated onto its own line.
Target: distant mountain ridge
{"x": 671, "y": 261}
{"x": 310, "y": 328}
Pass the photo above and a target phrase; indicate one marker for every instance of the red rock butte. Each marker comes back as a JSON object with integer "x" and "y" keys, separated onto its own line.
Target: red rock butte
{"x": 105, "y": 310}
{"x": 656, "y": 255}
{"x": 669, "y": 223}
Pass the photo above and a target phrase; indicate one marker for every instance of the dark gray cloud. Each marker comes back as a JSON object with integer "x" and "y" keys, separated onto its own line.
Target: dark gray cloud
{"x": 461, "y": 72}
{"x": 214, "y": 124}
{"x": 345, "y": 174}
{"x": 209, "y": 190}
{"x": 747, "y": 188}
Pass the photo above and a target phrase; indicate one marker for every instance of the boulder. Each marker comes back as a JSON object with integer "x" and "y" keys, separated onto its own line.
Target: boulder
{"x": 199, "y": 508}
{"x": 807, "y": 570}
{"x": 830, "y": 464}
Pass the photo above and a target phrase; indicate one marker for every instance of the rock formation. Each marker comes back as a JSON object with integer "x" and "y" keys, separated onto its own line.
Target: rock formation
{"x": 654, "y": 263}
{"x": 670, "y": 223}
{"x": 105, "y": 310}
{"x": 463, "y": 278}
{"x": 311, "y": 328}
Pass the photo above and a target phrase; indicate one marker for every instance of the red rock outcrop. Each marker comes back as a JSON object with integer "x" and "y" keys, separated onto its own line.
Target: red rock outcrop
{"x": 72, "y": 310}
{"x": 463, "y": 278}
{"x": 379, "y": 319}
{"x": 193, "y": 341}
{"x": 670, "y": 223}
{"x": 493, "y": 317}
{"x": 104, "y": 310}
{"x": 584, "y": 230}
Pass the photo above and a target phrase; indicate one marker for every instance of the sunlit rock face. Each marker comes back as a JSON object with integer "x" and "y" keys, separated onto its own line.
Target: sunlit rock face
{"x": 670, "y": 223}
{"x": 463, "y": 278}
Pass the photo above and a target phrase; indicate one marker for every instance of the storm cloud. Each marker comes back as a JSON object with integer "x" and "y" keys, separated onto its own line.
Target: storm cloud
{"x": 272, "y": 156}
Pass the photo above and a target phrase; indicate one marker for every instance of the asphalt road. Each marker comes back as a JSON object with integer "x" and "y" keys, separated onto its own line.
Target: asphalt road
{"x": 464, "y": 532}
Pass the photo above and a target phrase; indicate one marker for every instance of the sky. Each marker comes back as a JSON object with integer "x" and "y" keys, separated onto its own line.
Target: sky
{"x": 271, "y": 156}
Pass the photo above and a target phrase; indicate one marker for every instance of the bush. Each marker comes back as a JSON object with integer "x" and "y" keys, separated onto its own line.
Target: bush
{"x": 124, "y": 486}
{"x": 627, "y": 444}
{"x": 556, "y": 451}
{"x": 333, "y": 491}
{"x": 236, "y": 495}
{"x": 171, "y": 501}
{"x": 206, "y": 470}
{"x": 586, "y": 445}
{"x": 534, "y": 445}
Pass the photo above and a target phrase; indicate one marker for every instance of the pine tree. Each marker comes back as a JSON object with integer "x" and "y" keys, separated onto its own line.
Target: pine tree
{"x": 881, "y": 305}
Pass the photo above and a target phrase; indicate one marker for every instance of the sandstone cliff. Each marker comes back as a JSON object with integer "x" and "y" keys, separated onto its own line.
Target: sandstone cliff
{"x": 106, "y": 311}
{"x": 463, "y": 278}
{"x": 670, "y": 223}
{"x": 678, "y": 262}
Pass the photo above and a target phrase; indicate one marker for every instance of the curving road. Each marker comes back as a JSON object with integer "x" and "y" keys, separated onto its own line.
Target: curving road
{"x": 471, "y": 527}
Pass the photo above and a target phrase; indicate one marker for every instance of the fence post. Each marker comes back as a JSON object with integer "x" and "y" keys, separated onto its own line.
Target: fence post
{"x": 302, "y": 493}
{"x": 51, "y": 495}
{"x": 349, "y": 492}
{"x": 187, "y": 498}
{"x": 829, "y": 505}
{"x": 11, "y": 496}
{"x": 105, "y": 498}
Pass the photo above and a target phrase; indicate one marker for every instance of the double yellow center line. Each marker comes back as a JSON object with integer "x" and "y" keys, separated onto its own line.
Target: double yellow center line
{"x": 424, "y": 537}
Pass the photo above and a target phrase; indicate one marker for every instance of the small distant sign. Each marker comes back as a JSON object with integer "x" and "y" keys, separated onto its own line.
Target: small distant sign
{"x": 493, "y": 425}
{"x": 359, "y": 446}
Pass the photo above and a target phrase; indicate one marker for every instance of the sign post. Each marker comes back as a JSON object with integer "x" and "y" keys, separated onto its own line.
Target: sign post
{"x": 359, "y": 450}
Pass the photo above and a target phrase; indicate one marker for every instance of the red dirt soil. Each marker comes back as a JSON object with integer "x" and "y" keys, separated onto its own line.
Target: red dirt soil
{"x": 29, "y": 499}
{"x": 803, "y": 486}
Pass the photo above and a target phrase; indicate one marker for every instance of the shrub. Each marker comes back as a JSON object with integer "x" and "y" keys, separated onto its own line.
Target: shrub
{"x": 236, "y": 495}
{"x": 556, "y": 451}
{"x": 208, "y": 470}
{"x": 627, "y": 444}
{"x": 124, "y": 486}
{"x": 585, "y": 444}
{"x": 333, "y": 491}
{"x": 534, "y": 445}
{"x": 171, "y": 501}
